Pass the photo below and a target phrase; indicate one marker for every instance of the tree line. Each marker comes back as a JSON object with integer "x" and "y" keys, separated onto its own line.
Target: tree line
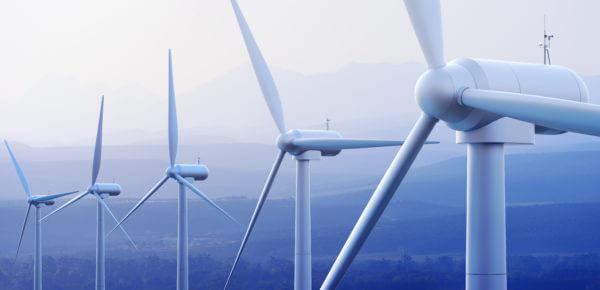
{"x": 440, "y": 273}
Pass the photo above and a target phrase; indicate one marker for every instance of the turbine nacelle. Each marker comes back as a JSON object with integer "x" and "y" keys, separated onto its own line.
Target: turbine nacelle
{"x": 41, "y": 199}
{"x": 285, "y": 141}
{"x": 111, "y": 189}
{"x": 196, "y": 171}
{"x": 438, "y": 90}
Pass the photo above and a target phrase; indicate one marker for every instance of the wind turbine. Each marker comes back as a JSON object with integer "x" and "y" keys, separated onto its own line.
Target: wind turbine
{"x": 488, "y": 103}
{"x": 100, "y": 191}
{"x": 37, "y": 201}
{"x": 304, "y": 146}
{"x": 184, "y": 174}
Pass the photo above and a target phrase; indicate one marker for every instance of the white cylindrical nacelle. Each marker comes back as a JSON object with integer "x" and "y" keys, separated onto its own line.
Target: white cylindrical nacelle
{"x": 284, "y": 142}
{"x": 527, "y": 78}
{"x": 437, "y": 89}
{"x": 195, "y": 171}
{"x": 111, "y": 189}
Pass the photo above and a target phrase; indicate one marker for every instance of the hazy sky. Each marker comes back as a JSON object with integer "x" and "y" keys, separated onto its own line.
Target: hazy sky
{"x": 109, "y": 44}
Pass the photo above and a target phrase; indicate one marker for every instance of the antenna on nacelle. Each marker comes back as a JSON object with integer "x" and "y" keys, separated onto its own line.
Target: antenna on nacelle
{"x": 327, "y": 121}
{"x": 546, "y": 44}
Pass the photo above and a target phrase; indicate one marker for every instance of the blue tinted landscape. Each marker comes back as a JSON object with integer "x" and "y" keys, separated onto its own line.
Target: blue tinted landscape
{"x": 552, "y": 233}
{"x": 478, "y": 166}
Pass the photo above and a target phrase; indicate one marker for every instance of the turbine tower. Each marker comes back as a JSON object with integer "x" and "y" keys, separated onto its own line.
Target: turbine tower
{"x": 304, "y": 146}
{"x": 36, "y": 201}
{"x": 100, "y": 191}
{"x": 489, "y": 104}
{"x": 184, "y": 174}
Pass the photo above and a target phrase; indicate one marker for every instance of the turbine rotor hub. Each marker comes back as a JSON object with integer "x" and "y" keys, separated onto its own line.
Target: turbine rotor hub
{"x": 437, "y": 95}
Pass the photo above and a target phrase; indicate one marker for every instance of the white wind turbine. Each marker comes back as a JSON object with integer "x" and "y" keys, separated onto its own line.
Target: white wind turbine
{"x": 184, "y": 174}
{"x": 100, "y": 191}
{"x": 37, "y": 201}
{"x": 304, "y": 146}
{"x": 488, "y": 103}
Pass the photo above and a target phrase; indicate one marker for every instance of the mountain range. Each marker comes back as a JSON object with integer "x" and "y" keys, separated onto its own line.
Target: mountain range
{"x": 368, "y": 100}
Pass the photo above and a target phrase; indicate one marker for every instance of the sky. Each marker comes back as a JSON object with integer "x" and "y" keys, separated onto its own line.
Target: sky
{"x": 108, "y": 45}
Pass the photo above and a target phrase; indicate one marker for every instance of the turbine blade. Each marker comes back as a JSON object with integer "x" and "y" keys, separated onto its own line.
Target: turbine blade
{"x": 205, "y": 197}
{"x": 261, "y": 70}
{"x": 56, "y": 195}
{"x": 340, "y": 144}
{"x": 146, "y": 197}
{"x": 98, "y": 146}
{"x": 23, "y": 229}
{"x": 259, "y": 205}
{"x": 553, "y": 113}
{"x": 380, "y": 199}
{"x": 19, "y": 170}
{"x": 173, "y": 133}
{"x": 66, "y": 204}
{"x": 426, "y": 19}
{"x": 107, "y": 208}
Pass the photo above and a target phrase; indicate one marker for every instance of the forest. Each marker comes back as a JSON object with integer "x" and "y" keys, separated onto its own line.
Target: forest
{"x": 549, "y": 272}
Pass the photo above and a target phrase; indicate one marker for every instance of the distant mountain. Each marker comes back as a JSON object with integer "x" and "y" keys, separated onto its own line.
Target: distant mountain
{"x": 229, "y": 105}
{"x": 535, "y": 174}
{"x": 374, "y": 100}
{"x": 551, "y": 177}
{"x": 412, "y": 228}
{"x": 235, "y": 169}
{"x": 221, "y": 117}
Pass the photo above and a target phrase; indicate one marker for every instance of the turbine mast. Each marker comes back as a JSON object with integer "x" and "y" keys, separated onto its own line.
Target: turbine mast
{"x": 302, "y": 224}
{"x": 545, "y": 45}
{"x": 37, "y": 267}
{"x": 100, "y": 247}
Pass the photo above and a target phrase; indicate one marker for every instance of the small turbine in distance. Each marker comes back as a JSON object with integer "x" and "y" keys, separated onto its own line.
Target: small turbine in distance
{"x": 184, "y": 174}
{"x": 100, "y": 191}
{"x": 37, "y": 201}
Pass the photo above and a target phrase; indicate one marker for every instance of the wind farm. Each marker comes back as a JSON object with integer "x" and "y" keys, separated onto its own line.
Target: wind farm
{"x": 466, "y": 155}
